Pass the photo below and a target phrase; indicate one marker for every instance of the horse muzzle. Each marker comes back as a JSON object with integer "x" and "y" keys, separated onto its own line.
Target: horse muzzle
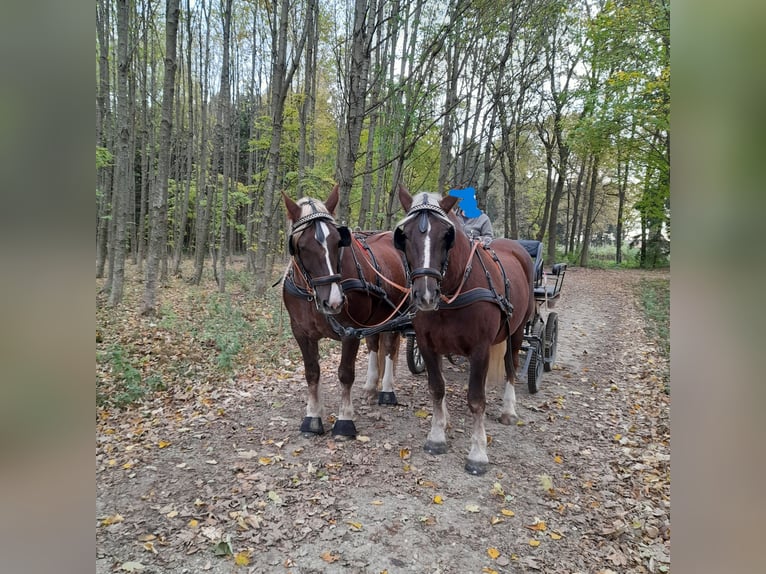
{"x": 329, "y": 296}
{"x": 425, "y": 288}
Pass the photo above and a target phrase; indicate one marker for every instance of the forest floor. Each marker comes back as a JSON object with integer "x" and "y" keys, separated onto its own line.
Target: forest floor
{"x": 204, "y": 472}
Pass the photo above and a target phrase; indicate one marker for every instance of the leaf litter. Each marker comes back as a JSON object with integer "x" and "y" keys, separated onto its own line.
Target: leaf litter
{"x": 274, "y": 498}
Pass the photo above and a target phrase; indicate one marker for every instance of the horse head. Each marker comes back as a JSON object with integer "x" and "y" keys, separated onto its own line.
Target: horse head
{"x": 315, "y": 243}
{"x": 425, "y": 236}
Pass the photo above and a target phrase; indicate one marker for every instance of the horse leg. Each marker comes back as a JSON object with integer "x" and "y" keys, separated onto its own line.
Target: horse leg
{"x": 436, "y": 442}
{"x": 387, "y": 395}
{"x": 511, "y": 364}
{"x": 312, "y": 422}
{"x": 344, "y": 427}
{"x": 477, "y": 461}
{"x": 373, "y": 371}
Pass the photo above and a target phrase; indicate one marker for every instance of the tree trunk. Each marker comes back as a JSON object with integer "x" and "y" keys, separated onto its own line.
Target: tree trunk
{"x": 358, "y": 74}
{"x": 574, "y": 232}
{"x": 103, "y": 135}
{"x": 280, "y": 84}
{"x": 181, "y": 235}
{"x": 308, "y": 108}
{"x": 158, "y": 201}
{"x": 225, "y": 103}
{"x": 122, "y": 184}
{"x": 585, "y": 252}
{"x": 204, "y": 200}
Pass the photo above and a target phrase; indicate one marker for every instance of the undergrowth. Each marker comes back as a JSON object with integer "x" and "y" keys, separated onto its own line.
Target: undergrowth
{"x": 654, "y": 295}
{"x": 198, "y": 333}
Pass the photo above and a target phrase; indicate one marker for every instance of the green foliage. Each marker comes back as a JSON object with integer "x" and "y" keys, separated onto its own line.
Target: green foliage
{"x": 104, "y": 157}
{"x": 130, "y": 387}
{"x": 225, "y": 327}
{"x": 603, "y": 257}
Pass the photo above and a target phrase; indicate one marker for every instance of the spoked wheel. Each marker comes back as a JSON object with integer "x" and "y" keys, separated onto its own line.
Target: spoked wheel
{"x": 551, "y": 340}
{"x": 536, "y": 362}
{"x": 535, "y": 370}
{"x": 415, "y": 362}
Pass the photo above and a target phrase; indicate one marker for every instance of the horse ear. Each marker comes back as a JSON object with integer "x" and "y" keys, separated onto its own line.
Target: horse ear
{"x": 293, "y": 209}
{"x": 448, "y": 202}
{"x": 345, "y": 236}
{"x": 332, "y": 199}
{"x": 399, "y": 239}
{"x": 405, "y": 198}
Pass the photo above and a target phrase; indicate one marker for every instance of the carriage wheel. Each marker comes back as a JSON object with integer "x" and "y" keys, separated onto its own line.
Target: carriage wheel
{"x": 415, "y": 361}
{"x": 551, "y": 340}
{"x": 535, "y": 370}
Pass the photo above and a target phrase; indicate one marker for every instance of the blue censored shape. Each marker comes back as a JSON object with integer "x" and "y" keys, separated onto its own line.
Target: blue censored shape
{"x": 467, "y": 201}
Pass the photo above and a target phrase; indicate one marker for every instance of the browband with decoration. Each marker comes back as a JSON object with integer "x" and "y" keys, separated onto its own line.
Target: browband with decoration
{"x": 425, "y": 206}
{"x": 302, "y": 222}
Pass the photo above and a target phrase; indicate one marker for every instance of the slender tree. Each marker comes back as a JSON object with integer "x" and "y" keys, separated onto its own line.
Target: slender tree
{"x": 158, "y": 199}
{"x": 122, "y": 183}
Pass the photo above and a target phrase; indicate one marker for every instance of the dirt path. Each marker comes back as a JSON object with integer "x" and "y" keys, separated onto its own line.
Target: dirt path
{"x": 581, "y": 484}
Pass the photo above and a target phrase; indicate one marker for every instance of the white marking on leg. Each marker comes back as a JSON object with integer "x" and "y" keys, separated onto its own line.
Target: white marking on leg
{"x": 388, "y": 376}
{"x": 478, "y": 440}
{"x": 346, "y": 411}
{"x": 439, "y": 423}
{"x": 509, "y": 400}
{"x": 314, "y": 407}
{"x": 371, "y": 384}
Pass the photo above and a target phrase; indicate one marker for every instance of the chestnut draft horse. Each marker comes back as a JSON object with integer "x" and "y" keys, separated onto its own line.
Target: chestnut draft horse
{"x": 338, "y": 286}
{"x": 471, "y": 300}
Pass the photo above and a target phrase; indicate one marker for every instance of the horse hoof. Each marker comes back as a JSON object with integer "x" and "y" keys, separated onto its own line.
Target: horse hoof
{"x": 387, "y": 398}
{"x": 312, "y": 426}
{"x": 505, "y": 419}
{"x": 344, "y": 429}
{"x": 476, "y": 468}
{"x": 435, "y": 447}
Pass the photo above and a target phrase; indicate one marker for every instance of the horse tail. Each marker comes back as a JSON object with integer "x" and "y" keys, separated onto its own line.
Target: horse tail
{"x": 496, "y": 372}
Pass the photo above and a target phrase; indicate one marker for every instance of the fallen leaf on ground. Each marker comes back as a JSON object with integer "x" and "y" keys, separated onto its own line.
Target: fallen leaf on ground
{"x": 539, "y": 526}
{"x": 132, "y": 567}
{"x": 114, "y": 519}
{"x": 472, "y": 507}
{"x": 329, "y": 558}
{"x": 493, "y": 553}
{"x": 534, "y": 543}
{"x": 507, "y": 512}
{"x": 438, "y": 499}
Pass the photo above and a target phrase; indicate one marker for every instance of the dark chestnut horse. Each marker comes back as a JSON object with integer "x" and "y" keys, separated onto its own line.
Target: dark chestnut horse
{"x": 471, "y": 300}
{"x": 337, "y": 285}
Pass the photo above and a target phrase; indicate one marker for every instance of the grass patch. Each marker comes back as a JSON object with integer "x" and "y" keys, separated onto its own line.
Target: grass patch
{"x": 654, "y": 295}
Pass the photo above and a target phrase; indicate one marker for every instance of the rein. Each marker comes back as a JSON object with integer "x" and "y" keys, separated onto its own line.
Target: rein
{"x": 374, "y": 268}
{"x": 466, "y": 273}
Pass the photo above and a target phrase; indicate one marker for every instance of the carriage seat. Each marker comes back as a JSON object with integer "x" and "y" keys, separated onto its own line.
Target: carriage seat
{"x": 535, "y": 250}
